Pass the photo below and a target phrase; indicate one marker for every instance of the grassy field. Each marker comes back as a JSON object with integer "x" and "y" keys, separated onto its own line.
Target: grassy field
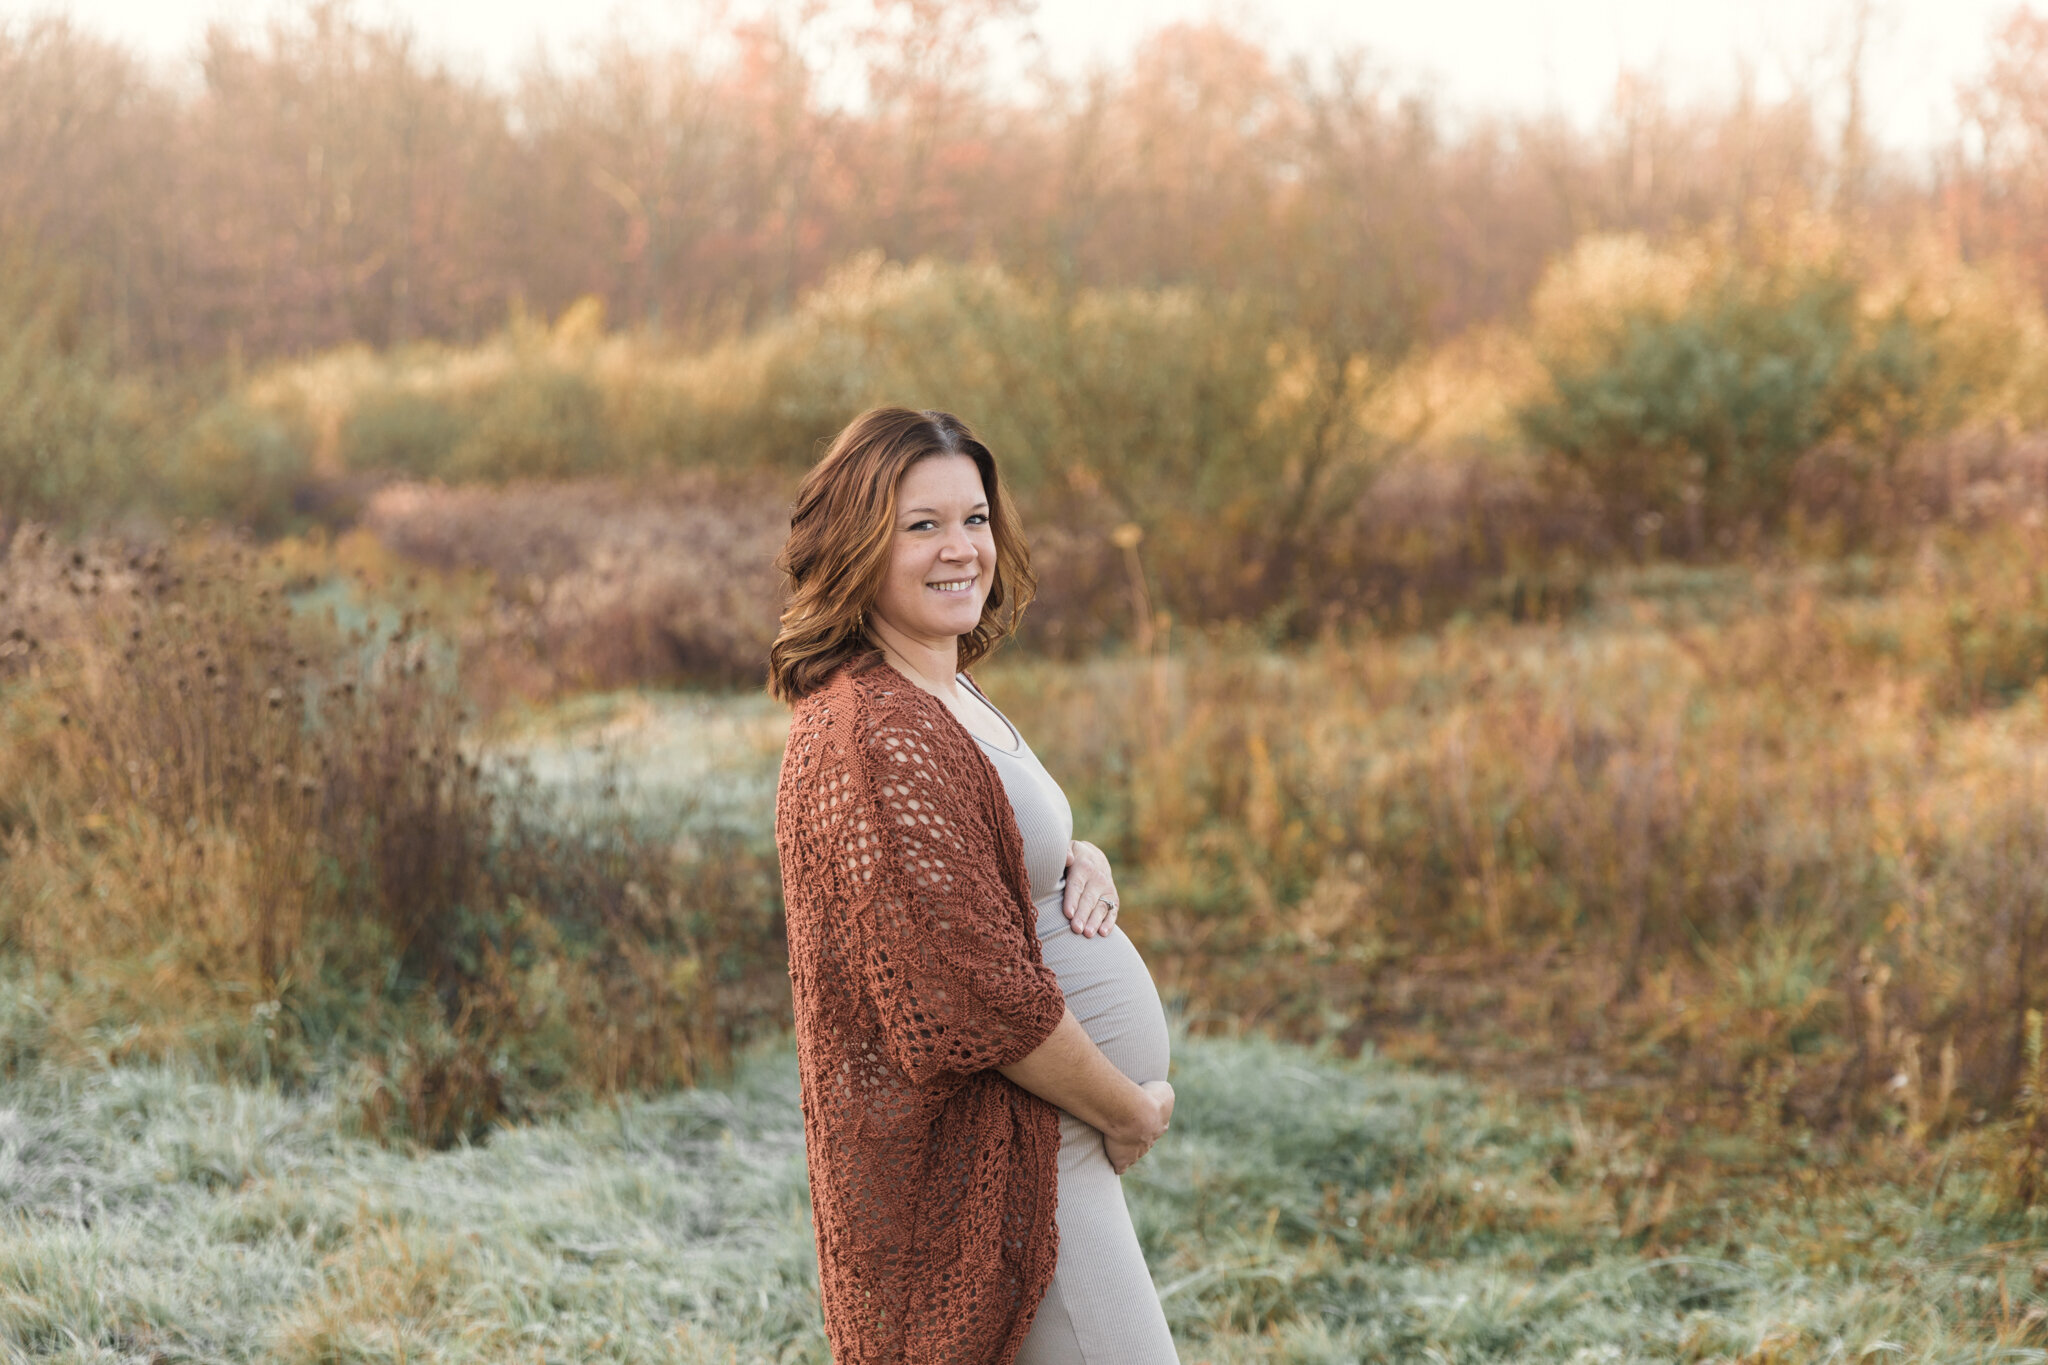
{"x": 1651, "y": 982}
{"x": 1305, "y": 1208}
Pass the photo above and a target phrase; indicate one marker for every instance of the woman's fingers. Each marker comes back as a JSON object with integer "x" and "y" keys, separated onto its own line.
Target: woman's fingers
{"x": 1121, "y": 1154}
{"x": 1097, "y": 912}
{"x": 1124, "y": 1155}
{"x": 1162, "y": 1094}
{"x": 1076, "y": 899}
{"x": 1124, "y": 1152}
{"x": 1090, "y": 901}
{"x": 1083, "y": 882}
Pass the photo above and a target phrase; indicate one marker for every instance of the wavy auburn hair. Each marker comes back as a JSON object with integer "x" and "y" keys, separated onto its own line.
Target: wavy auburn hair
{"x": 838, "y": 549}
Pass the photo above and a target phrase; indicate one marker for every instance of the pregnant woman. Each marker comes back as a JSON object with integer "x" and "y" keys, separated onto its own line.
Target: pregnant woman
{"x": 982, "y": 1052}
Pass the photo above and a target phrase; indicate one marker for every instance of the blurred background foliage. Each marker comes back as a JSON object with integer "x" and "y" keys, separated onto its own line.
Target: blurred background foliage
{"x": 1566, "y": 604}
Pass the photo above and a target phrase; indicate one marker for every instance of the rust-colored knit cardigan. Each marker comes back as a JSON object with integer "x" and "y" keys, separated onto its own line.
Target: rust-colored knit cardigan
{"x": 915, "y": 965}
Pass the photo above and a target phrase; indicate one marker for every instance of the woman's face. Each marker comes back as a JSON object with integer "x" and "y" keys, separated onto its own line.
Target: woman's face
{"x": 942, "y": 558}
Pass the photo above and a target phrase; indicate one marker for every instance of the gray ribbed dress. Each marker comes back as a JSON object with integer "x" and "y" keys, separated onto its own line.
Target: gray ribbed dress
{"x": 1101, "y": 1308}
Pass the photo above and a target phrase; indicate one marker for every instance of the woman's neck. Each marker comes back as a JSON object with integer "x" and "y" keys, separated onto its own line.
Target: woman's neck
{"x": 930, "y": 664}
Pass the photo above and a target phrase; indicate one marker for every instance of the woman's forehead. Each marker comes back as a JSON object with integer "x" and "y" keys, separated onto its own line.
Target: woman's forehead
{"x": 940, "y": 481}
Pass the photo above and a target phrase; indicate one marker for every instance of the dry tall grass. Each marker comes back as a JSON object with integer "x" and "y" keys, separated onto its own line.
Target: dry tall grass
{"x": 235, "y": 832}
{"x": 1771, "y": 840}
{"x": 1765, "y": 842}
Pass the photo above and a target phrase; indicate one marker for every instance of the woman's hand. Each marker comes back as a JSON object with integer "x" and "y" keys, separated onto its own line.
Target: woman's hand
{"x": 1068, "y": 1070}
{"x": 1091, "y": 899}
{"x": 1129, "y": 1143}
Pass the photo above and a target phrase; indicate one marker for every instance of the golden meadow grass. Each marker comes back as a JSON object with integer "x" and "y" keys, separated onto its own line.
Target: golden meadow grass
{"x": 1732, "y": 871}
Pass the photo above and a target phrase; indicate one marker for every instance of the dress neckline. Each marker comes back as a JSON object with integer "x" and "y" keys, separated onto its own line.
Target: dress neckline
{"x": 1017, "y": 749}
{"x": 882, "y": 662}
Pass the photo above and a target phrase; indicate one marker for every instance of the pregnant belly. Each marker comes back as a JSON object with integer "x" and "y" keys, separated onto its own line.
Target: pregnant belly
{"x": 1109, "y": 991}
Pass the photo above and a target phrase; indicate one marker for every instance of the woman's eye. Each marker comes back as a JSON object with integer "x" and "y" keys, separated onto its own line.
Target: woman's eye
{"x": 929, "y": 523}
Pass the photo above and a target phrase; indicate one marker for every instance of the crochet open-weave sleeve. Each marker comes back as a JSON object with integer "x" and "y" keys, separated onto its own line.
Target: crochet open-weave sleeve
{"x": 940, "y": 945}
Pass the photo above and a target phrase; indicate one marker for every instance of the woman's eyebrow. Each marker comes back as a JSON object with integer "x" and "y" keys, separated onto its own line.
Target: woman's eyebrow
{"x": 933, "y": 511}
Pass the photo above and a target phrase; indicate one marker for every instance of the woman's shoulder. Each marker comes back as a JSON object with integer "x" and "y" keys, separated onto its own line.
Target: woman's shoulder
{"x": 865, "y": 722}
{"x": 860, "y": 698}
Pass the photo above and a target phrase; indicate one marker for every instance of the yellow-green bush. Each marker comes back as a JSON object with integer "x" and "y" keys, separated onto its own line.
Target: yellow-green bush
{"x": 1688, "y": 380}
{"x": 535, "y": 422}
{"x": 240, "y": 465}
{"x": 1202, "y": 419}
{"x": 401, "y": 431}
{"x": 1687, "y": 426}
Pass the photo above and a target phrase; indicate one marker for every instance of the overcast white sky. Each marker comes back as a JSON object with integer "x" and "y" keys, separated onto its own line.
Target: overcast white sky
{"x": 1520, "y": 54}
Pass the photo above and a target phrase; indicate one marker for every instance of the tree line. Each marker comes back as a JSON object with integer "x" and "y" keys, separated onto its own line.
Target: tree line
{"x": 326, "y": 180}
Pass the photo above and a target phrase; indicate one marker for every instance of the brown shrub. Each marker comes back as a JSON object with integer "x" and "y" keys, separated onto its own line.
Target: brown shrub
{"x": 1846, "y": 497}
{"x": 603, "y": 583}
{"x": 1458, "y": 530}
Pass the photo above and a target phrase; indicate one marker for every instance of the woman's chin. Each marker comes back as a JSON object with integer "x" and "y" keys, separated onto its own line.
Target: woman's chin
{"x": 957, "y": 620}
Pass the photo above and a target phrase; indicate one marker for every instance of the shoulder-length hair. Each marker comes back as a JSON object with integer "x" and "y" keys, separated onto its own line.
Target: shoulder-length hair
{"x": 839, "y": 539}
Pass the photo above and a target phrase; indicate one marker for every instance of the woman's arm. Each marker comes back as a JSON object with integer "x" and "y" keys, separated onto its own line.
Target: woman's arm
{"x": 1068, "y": 1070}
